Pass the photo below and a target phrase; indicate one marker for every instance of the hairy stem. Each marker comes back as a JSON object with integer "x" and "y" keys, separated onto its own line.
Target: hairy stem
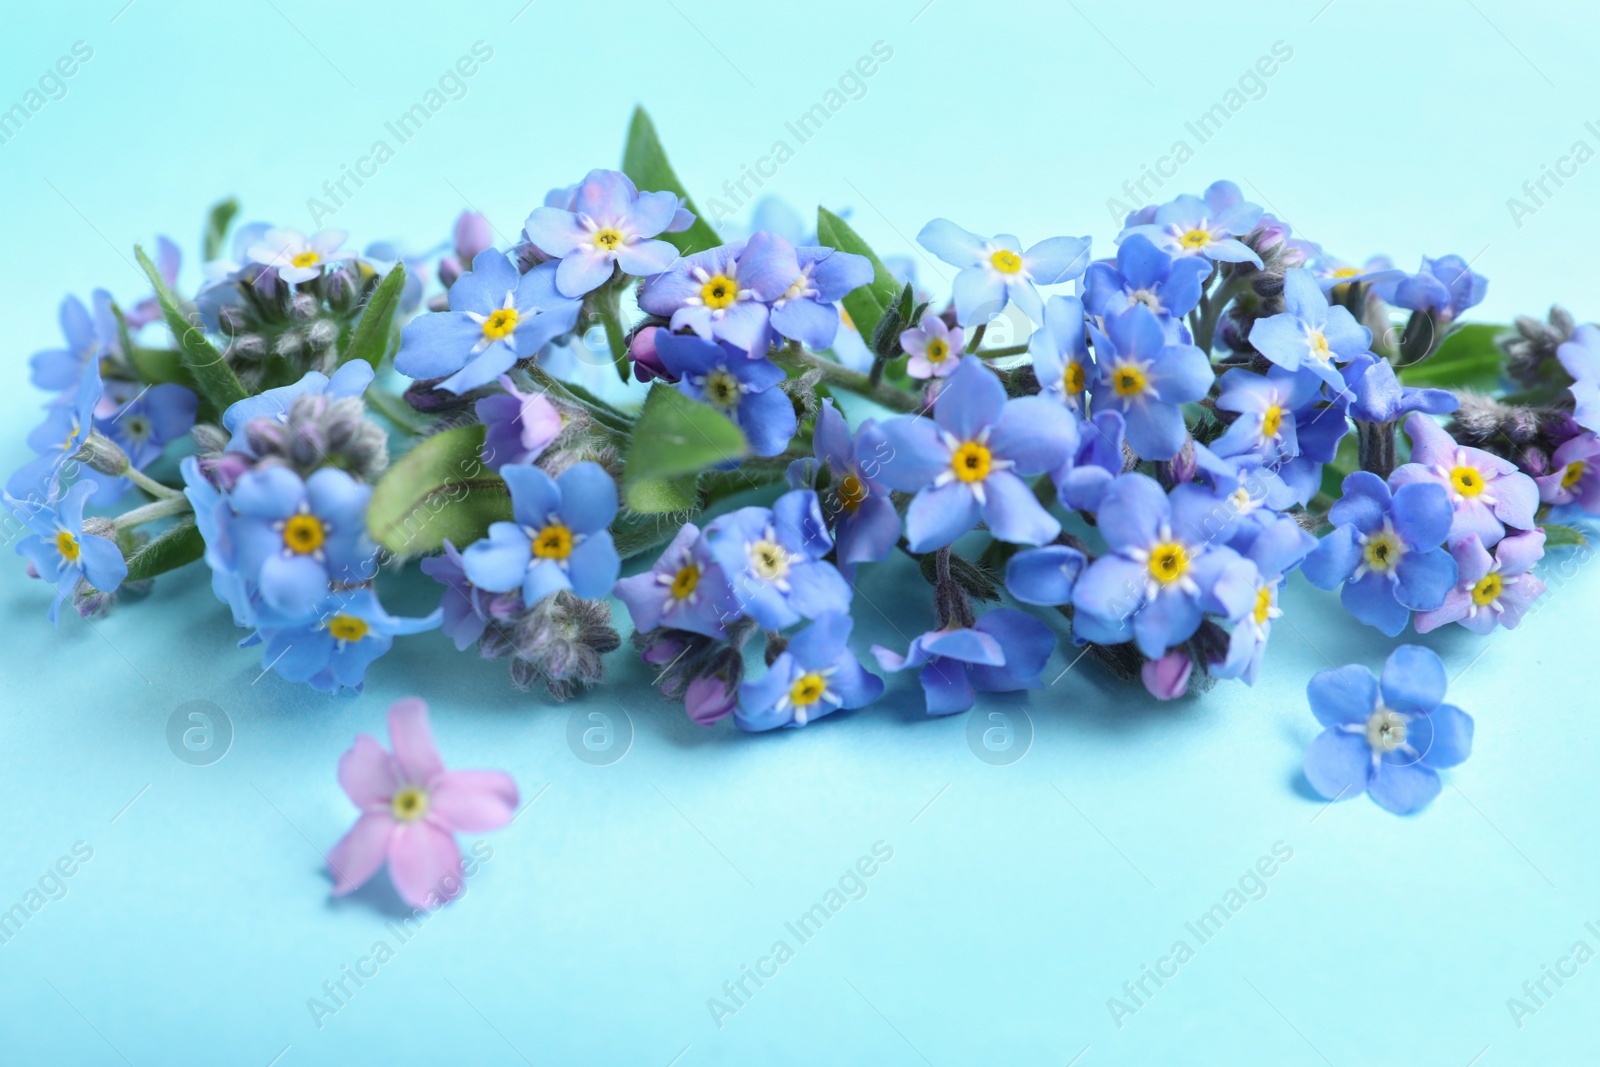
{"x": 845, "y": 378}
{"x": 160, "y": 509}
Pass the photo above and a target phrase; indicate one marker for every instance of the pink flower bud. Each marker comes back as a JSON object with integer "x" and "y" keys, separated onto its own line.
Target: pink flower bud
{"x": 1167, "y": 678}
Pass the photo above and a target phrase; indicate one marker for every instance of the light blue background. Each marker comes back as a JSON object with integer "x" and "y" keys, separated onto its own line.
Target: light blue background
{"x": 1019, "y": 898}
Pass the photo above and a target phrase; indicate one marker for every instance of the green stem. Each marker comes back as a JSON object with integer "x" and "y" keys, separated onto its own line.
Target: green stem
{"x": 396, "y": 410}
{"x": 977, "y": 338}
{"x": 150, "y": 485}
{"x": 845, "y": 378}
{"x": 1211, "y": 307}
{"x": 609, "y": 420}
{"x": 1002, "y": 353}
{"x": 607, "y": 308}
{"x": 160, "y": 509}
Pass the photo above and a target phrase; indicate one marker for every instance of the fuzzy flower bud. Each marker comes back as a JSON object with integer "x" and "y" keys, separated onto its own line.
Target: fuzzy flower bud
{"x": 322, "y": 431}
{"x": 561, "y": 640}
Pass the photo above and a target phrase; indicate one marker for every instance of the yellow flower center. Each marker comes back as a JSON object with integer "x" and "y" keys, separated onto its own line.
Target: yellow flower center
{"x": 1382, "y": 551}
{"x": 553, "y": 542}
{"x": 971, "y": 462}
{"x": 1072, "y": 378}
{"x": 1168, "y": 562}
{"x": 304, "y": 534}
{"x": 719, "y": 292}
{"x": 1386, "y": 730}
{"x": 769, "y": 560}
{"x": 807, "y": 689}
{"x": 1347, "y": 272}
{"x": 1263, "y": 610}
{"x": 1467, "y": 481}
{"x": 1487, "y": 591}
{"x": 410, "y": 804}
{"x": 851, "y": 492}
{"x": 67, "y": 545}
{"x": 722, "y": 389}
{"x": 1128, "y": 381}
{"x": 685, "y": 581}
{"x": 1195, "y": 239}
{"x": 1271, "y": 420}
{"x": 937, "y": 351}
{"x": 1319, "y": 347}
{"x": 1573, "y": 472}
{"x": 500, "y": 324}
{"x": 1006, "y": 261}
{"x": 607, "y": 239}
{"x": 347, "y": 627}
{"x": 306, "y": 259}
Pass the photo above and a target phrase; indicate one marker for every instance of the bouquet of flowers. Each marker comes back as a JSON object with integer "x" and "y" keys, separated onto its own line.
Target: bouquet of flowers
{"x": 1190, "y": 418}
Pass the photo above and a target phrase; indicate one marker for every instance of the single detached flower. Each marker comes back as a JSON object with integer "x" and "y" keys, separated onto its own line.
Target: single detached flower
{"x": 803, "y": 286}
{"x": 411, "y": 808}
{"x": 560, "y": 537}
{"x": 1144, "y": 274}
{"x": 866, "y": 525}
{"x": 350, "y": 380}
{"x": 816, "y": 674}
{"x": 743, "y": 389}
{"x": 968, "y": 461}
{"x": 1004, "y": 651}
{"x": 496, "y": 317}
{"x": 59, "y": 550}
{"x": 1388, "y": 739}
{"x": 997, "y": 270}
{"x": 296, "y": 257}
{"x": 773, "y": 560}
{"x": 1575, "y": 474}
{"x": 291, "y": 537}
{"x": 1385, "y": 551}
{"x": 333, "y": 651}
{"x": 611, "y": 223}
{"x": 685, "y": 590}
{"x": 1060, "y": 352}
{"x": 1209, "y": 227}
{"x": 1490, "y": 590}
{"x": 1146, "y": 378}
{"x": 518, "y": 426}
{"x": 711, "y": 293}
{"x": 935, "y": 349}
{"x": 1165, "y": 567}
{"x": 1485, "y": 490}
{"x": 1309, "y": 333}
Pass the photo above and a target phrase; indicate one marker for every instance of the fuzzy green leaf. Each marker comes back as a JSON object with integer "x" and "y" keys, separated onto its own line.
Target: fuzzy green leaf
{"x": 1559, "y": 536}
{"x": 674, "y": 440}
{"x": 440, "y": 489}
{"x": 1467, "y": 359}
{"x": 214, "y": 380}
{"x": 645, "y": 161}
{"x": 218, "y": 219}
{"x": 168, "y": 551}
{"x": 376, "y": 328}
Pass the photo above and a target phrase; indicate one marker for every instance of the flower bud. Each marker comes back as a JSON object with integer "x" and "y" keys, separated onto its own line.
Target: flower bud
{"x": 1167, "y": 678}
{"x": 103, "y": 454}
{"x": 646, "y": 361}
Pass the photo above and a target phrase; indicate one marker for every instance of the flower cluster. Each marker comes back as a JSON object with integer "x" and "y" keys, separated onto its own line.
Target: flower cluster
{"x": 1211, "y": 405}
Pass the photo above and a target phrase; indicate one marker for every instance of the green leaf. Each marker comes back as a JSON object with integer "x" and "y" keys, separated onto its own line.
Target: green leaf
{"x": 675, "y": 439}
{"x": 440, "y": 489}
{"x": 1346, "y": 460}
{"x": 168, "y": 551}
{"x": 866, "y": 304}
{"x": 1559, "y": 536}
{"x": 1467, "y": 359}
{"x": 635, "y": 534}
{"x": 218, "y": 219}
{"x": 645, "y": 162}
{"x": 375, "y": 330}
{"x": 214, "y": 380}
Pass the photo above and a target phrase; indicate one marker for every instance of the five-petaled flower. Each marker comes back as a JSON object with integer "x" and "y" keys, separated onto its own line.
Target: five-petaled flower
{"x": 1209, "y": 226}
{"x": 411, "y": 808}
{"x": 1004, "y": 651}
{"x": 1485, "y": 490}
{"x": 1309, "y": 333}
{"x": 60, "y": 552}
{"x": 611, "y": 222}
{"x": 773, "y": 560}
{"x": 291, "y": 537}
{"x": 816, "y": 674}
{"x": 935, "y": 349}
{"x": 686, "y": 589}
{"x": 1490, "y": 590}
{"x": 560, "y": 538}
{"x": 742, "y": 388}
{"x": 1147, "y": 378}
{"x": 296, "y": 257}
{"x": 1388, "y": 739}
{"x": 998, "y": 270}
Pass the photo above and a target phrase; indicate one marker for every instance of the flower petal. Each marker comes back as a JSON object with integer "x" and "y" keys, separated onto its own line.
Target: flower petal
{"x": 472, "y": 801}
{"x": 414, "y": 751}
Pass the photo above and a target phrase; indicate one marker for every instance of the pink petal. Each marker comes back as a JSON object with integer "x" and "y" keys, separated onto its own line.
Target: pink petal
{"x": 413, "y": 743}
{"x": 367, "y": 774}
{"x": 360, "y": 853}
{"x": 424, "y": 864}
{"x": 472, "y": 801}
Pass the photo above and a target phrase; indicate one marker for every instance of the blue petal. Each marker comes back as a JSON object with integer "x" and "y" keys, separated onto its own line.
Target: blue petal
{"x": 945, "y": 684}
{"x": 1403, "y": 788}
{"x": 437, "y": 344}
{"x": 971, "y": 400}
{"x": 979, "y": 294}
{"x": 1414, "y": 680}
{"x": 916, "y": 455}
{"x": 500, "y": 561}
{"x": 937, "y": 516}
{"x": 1013, "y": 513}
{"x": 1132, "y": 512}
{"x": 1057, "y": 259}
{"x": 593, "y": 566}
{"x": 819, "y": 644}
{"x": 534, "y": 497}
{"x": 811, "y": 323}
{"x": 542, "y": 579}
{"x": 1337, "y": 764}
{"x": 957, "y": 247}
{"x": 1035, "y": 433}
{"x": 1364, "y": 503}
{"x": 817, "y": 588}
{"x": 1347, "y": 695}
{"x": 1044, "y": 575}
{"x": 1425, "y": 578}
{"x": 588, "y": 497}
{"x": 1448, "y": 736}
{"x": 1372, "y": 601}
{"x": 483, "y": 288}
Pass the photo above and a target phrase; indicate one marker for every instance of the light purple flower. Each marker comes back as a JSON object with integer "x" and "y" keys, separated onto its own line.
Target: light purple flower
{"x": 1004, "y": 651}
{"x": 686, "y": 589}
{"x": 709, "y": 293}
{"x": 518, "y": 426}
{"x": 935, "y": 349}
{"x": 1575, "y": 475}
{"x": 1490, "y": 590}
{"x": 411, "y": 808}
{"x": 803, "y": 285}
{"x": 296, "y": 257}
{"x": 1210, "y": 227}
{"x": 1485, "y": 490}
{"x": 611, "y": 223}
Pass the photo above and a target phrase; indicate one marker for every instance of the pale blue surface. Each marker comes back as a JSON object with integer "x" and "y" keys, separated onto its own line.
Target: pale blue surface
{"x": 1020, "y": 897}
